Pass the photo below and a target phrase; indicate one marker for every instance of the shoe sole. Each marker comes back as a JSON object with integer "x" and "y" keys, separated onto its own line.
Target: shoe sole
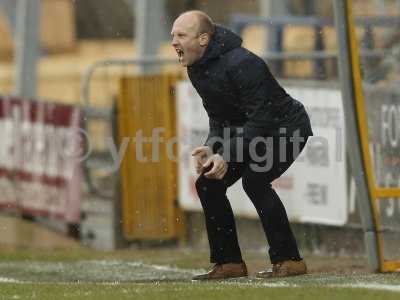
{"x": 219, "y": 279}
{"x": 283, "y": 276}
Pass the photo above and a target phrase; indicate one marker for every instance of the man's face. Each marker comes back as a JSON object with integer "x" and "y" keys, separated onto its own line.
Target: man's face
{"x": 186, "y": 40}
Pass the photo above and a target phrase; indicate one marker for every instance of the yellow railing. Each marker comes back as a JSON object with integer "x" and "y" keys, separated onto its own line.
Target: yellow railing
{"x": 376, "y": 193}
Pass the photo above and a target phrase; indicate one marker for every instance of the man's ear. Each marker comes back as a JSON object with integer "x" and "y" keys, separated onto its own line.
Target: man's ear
{"x": 204, "y": 39}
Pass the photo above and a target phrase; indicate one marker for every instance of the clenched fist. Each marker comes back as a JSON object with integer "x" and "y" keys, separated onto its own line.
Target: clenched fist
{"x": 218, "y": 165}
{"x": 201, "y": 155}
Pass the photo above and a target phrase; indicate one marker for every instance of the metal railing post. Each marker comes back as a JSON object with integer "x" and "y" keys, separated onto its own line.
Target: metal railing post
{"x": 27, "y": 47}
{"x": 353, "y": 139}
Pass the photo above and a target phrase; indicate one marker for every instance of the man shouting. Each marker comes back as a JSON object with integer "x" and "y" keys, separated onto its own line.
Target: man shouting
{"x": 256, "y": 132}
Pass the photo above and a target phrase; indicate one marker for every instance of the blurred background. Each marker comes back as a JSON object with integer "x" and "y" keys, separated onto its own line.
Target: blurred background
{"x": 80, "y": 78}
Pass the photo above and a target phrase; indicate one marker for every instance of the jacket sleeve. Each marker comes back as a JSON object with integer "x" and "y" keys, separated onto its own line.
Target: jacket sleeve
{"x": 250, "y": 81}
{"x": 215, "y": 135}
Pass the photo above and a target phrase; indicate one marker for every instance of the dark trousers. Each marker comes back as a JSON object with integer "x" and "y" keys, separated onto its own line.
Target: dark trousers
{"x": 256, "y": 181}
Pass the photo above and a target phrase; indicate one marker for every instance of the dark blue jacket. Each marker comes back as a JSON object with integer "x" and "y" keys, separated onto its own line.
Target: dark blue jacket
{"x": 238, "y": 89}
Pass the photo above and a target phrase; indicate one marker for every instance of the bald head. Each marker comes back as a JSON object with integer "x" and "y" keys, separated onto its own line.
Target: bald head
{"x": 204, "y": 22}
{"x": 201, "y": 21}
{"x": 191, "y": 34}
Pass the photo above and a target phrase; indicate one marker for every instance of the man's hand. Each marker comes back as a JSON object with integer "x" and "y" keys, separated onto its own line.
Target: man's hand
{"x": 219, "y": 167}
{"x": 201, "y": 155}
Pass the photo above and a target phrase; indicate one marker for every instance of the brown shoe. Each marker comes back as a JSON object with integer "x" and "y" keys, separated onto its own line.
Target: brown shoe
{"x": 284, "y": 269}
{"x": 224, "y": 271}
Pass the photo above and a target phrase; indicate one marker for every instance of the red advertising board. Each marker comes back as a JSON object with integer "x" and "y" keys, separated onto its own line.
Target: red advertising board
{"x": 40, "y": 152}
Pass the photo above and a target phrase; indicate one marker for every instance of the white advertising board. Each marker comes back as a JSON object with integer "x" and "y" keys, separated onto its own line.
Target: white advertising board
{"x": 312, "y": 190}
{"x": 39, "y": 172}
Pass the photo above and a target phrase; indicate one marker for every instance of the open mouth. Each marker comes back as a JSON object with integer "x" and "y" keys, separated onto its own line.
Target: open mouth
{"x": 180, "y": 53}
